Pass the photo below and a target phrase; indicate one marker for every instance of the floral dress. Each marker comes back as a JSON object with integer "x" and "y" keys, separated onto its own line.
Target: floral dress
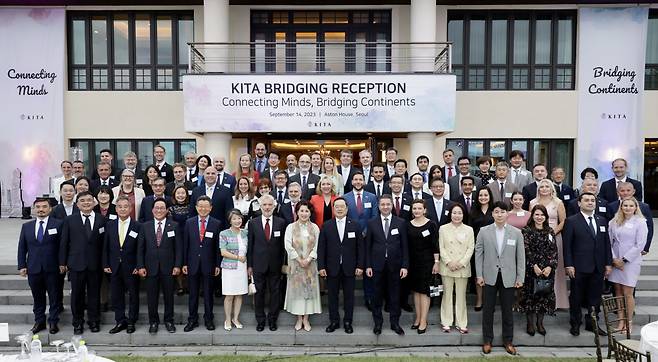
{"x": 540, "y": 249}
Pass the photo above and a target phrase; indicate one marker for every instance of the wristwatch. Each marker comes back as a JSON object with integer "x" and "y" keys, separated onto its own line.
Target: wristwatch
{"x": 624, "y": 260}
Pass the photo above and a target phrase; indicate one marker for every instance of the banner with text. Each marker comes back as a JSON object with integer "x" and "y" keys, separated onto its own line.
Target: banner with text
{"x": 319, "y": 103}
{"x": 611, "y": 51}
{"x": 31, "y": 90}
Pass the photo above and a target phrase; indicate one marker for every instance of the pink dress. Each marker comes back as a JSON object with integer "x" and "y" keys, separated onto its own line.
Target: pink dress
{"x": 561, "y": 293}
{"x": 517, "y": 219}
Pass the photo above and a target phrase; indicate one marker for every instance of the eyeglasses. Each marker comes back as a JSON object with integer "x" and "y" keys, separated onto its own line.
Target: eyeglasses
{"x": 464, "y": 164}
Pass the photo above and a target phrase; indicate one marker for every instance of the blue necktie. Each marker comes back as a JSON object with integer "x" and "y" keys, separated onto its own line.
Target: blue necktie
{"x": 40, "y": 231}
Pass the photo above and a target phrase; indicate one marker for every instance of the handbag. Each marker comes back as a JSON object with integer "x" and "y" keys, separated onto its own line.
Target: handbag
{"x": 436, "y": 287}
{"x": 542, "y": 287}
{"x": 252, "y": 286}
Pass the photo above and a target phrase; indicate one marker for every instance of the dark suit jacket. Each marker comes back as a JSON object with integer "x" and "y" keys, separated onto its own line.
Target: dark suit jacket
{"x": 405, "y": 207}
{"x": 370, "y": 187}
{"x": 461, "y": 200}
{"x": 530, "y": 192}
{"x": 96, "y": 184}
{"x": 423, "y": 195}
{"x": 111, "y": 211}
{"x": 222, "y": 202}
{"x": 268, "y": 174}
{"x": 601, "y": 208}
{"x": 646, "y": 212}
{"x": 166, "y": 172}
{"x": 581, "y": 250}
{"x": 169, "y": 188}
{"x": 566, "y": 193}
{"x": 432, "y": 215}
{"x": 161, "y": 259}
{"x": 201, "y": 256}
{"x": 265, "y": 255}
{"x": 331, "y": 250}
{"x": 455, "y": 187}
{"x": 608, "y": 190}
{"x": 311, "y": 179}
{"x": 114, "y": 173}
{"x": 41, "y": 256}
{"x": 59, "y": 211}
{"x": 348, "y": 182}
{"x": 75, "y": 250}
{"x": 115, "y": 254}
{"x": 146, "y": 209}
{"x": 225, "y": 180}
{"x": 395, "y": 246}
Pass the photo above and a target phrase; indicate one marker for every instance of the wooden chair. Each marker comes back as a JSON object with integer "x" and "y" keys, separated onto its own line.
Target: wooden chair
{"x": 612, "y": 308}
{"x": 625, "y": 354}
{"x": 597, "y": 340}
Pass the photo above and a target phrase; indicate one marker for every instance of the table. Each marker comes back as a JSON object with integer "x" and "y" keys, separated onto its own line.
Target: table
{"x": 49, "y": 356}
{"x": 649, "y": 339}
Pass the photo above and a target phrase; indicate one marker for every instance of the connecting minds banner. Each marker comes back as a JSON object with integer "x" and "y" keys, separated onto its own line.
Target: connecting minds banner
{"x": 31, "y": 93}
{"x": 319, "y": 103}
{"x": 611, "y": 60}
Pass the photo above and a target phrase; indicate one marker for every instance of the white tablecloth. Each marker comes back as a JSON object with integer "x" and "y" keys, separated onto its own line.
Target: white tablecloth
{"x": 48, "y": 356}
{"x": 649, "y": 339}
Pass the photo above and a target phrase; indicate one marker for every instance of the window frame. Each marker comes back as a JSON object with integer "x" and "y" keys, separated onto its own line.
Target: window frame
{"x": 651, "y": 67}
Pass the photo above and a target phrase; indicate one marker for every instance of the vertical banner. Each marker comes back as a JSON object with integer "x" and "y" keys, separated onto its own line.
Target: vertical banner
{"x": 31, "y": 89}
{"x": 611, "y": 59}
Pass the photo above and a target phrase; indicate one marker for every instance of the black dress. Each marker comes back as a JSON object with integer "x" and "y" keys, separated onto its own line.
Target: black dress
{"x": 477, "y": 221}
{"x": 421, "y": 255}
{"x": 540, "y": 249}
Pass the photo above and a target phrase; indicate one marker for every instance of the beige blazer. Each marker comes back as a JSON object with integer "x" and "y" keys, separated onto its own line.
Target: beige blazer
{"x": 511, "y": 261}
{"x": 139, "y": 196}
{"x": 456, "y": 244}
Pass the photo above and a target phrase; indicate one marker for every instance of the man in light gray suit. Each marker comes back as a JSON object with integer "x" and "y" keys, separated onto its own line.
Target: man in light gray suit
{"x": 518, "y": 174}
{"x": 464, "y": 165}
{"x": 502, "y": 188}
{"x": 500, "y": 268}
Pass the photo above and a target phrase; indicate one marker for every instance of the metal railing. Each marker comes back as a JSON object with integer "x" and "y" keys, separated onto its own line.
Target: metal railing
{"x": 319, "y": 57}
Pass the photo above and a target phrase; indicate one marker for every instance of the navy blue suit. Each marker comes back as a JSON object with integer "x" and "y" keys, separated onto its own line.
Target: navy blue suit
{"x": 146, "y": 209}
{"x": 372, "y": 188}
{"x": 227, "y": 180}
{"x": 41, "y": 260}
{"x": 340, "y": 258}
{"x": 201, "y": 256}
{"x": 405, "y": 206}
{"x": 589, "y": 255}
{"x": 646, "y": 212}
{"x": 122, "y": 260}
{"x": 370, "y": 208}
{"x": 566, "y": 193}
{"x": 608, "y": 190}
{"x": 601, "y": 208}
{"x": 433, "y": 215}
{"x": 222, "y": 202}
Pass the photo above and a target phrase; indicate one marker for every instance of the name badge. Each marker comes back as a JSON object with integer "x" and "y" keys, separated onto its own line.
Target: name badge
{"x": 113, "y": 217}
{"x": 602, "y": 209}
{"x": 112, "y": 177}
{"x": 508, "y": 194}
{"x": 395, "y": 231}
{"x": 171, "y": 233}
{"x": 286, "y": 201}
{"x": 189, "y": 192}
{"x": 163, "y": 173}
{"x": 602, "y": 229}
{"x": 567, "y": 197}
{"x": 475, "y": 188}
{"x": 367, "y": 205}
{"x": 511, "y": 242}
{"x": 406, "y": 207}
{"x": 139, "y": 181}
{"x": 351, "y": 234}
{"x": 491, "y": 180}
{"x": 132, "y": 234}
{"x": 550, "y": 237}
{"x": 425, "y": 233}
{"x": 52, "y": 231}
{"x": 209, "y": 234}
{"x": 256, "y": 206}
{"x": 372, "y": 179}
{"x": 520, "y": 213}
{"x": 277, "y": 234}
{"x": 194, "y": 179}
{"x": 446, "y": 213}
{"x": 101, "y": 230}
{"x": 310, "y": 186}
{"x": 228, "y": 186}
{"x": 628, "y": 225}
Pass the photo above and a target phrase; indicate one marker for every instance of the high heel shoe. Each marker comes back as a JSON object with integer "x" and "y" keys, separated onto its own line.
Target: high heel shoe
{"x": 237, "y": 324}
{"x": 421, "y": 331}
{"x": 298, "y": 325}
{"x": 477, "y": 309}
{"x": 227, "y": 327}
{"x": 307, "y": 326}
{"x": 414, "y": 326}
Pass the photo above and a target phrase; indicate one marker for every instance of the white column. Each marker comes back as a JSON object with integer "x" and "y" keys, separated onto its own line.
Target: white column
{"x": 421, "y": 143}
{"x": 216, "y": 29}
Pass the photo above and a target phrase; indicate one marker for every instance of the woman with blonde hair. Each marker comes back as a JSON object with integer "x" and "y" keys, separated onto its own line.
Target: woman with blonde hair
{"x": 246, "y": 168}
{"x": 322, "y": 203}
{"x": 628, "y": 234}
{"x": 329, "y": 169}
{"x": 547, "y": 196}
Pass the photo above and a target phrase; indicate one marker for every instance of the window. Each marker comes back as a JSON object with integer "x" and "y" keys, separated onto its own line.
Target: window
{"x": 516, "y": 50}
{"x": 651, "y": 70}
{"x": 128, "y": 50}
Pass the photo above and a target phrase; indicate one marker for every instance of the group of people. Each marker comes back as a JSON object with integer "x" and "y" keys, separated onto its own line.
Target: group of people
{"x": 312, "y": 227}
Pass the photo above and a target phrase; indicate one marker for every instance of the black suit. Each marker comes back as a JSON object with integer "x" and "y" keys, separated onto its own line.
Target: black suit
{"x": 348, "y": 181}
{"x": 268, "y": 174}
{"x": 146, "y": 209}
{"x": 386, "y": 255}
{"x": 222, "y": 202}
{"x": 265, "y": 257}
{"x": 566, "y": 193}
{"x": 601, "y": 208}
{"x": 462, "y": 200}
{"x": 340, "y": 258}
{"x": 609, "y": 189}
{"x": 405, "y": 206}
{"x": 432, "y": 214}
{"x": 41, "y": 260}
{"x": 114, "y": 173}
{"x": 96, "y": 184}
{"x": 589, "y": 255}
{"x": 201, "y": 256}
{"x": 122, "y": 260}
{"x": 169, "y": 188}
{"x": 311, "y": 179}
{"x": 59, "y": 211}
{"x": 159, "y": 262}
{"x": 372, "y": 188}
{"x": 530, "y": 192}
{"x": 83, "y": 257}
{"x": 166, "y": 172}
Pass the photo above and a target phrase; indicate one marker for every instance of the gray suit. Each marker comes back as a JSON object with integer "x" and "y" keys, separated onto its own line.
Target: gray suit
{"x": 508, "y": 190}
{"x": 455, "y": 186}
{"x": 523, "y": 178}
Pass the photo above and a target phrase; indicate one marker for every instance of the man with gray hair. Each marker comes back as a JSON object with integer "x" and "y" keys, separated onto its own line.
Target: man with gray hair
{"x": 191, "y": 173}
{"x": 502, "y": 188}
{"x": 130, "y": 163}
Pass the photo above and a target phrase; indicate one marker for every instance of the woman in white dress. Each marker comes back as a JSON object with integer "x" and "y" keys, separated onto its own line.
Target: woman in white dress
{"x": 303, "y": 287}
{"x": 233, "y": 247}
{"x": 244, "y": 196}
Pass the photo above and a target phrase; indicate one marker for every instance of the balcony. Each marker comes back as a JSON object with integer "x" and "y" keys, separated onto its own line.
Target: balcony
{"x": 319, "y": 58}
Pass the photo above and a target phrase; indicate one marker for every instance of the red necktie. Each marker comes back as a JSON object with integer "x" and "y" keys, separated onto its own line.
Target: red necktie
{"x": 202, "y": 230}
{"x": 267, "y": 229}
{"x": 397, "y": 205}
{"x": 359, "y": 204}
{"x": 449, "y": 172}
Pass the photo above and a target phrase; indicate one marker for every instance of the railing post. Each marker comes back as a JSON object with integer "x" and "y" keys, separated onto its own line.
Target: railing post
{"x": 449, "y": 58}
{"x": 189, "y": 58}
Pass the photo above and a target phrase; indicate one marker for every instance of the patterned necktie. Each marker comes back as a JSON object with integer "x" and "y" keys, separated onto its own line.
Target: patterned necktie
{"x": 260, "y": 166}
{"x": 359, "y": 203}
{"x": 303, "y": 182}
{"x": 267, "y": 229}
{"x": 202, "y": 230}
{"x": 468, "y": 203}
{"x": 158, "y": 234}
{"x": 40, "y": 231}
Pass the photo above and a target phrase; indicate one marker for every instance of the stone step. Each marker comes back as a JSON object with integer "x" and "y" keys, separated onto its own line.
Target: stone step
{"x": 649, "y": 267}
{"x": 647, "y": 282}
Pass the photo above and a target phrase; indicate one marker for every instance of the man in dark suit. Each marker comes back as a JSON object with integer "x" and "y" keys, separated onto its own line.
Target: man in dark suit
{"x": 377, "y": 185}
{"x": 361, "y": 205}
{"x": 401, "y": 200}
{"x": 190, "y": 169}
{"x": 340, "y": 258}
{"x": 365, "y": 160}
{"x": 467, "y": 198}
{"x": 272, "y": 166}
{"x": 158, "y": 186}
{"x": 80, "y": 252}
{"x": 464, "y": 165}
{"x": 449, "y": 169}
{"x": 286, "y": 210}
{"x": 416, "y": 183}
{"x": 260, "y": 160}
{"x": 120, "y": 261}
{"x": 179, "y": 180}
{"x": 107, "y": 157}
{"x": 346, "y": 170}
{"x": 159, "y": 260}
{"x": 38, "y": 250}
{"x": 105, "y": 177}
{"x": 391, "y": 156}
{"x": 438, "y": 205}
{"x": 609, "y": 187}
{"x": 587, "y": 260}
{"x": 223, "y": 178}
{"x": 590, "y": 185}
{"x": 165, "y": 169}
{"x": 67, "y": 206}
{"x": 265, "y": 254}
{"x": 221, "y": 198}
{"x": 201, "y": 262}
{"x": 305, "y": 178}
{"x": 565, "y": 192}
{"x": 539, "y": 172}
{"x": 387, "y": 261}
{"x": 626, "y": 190}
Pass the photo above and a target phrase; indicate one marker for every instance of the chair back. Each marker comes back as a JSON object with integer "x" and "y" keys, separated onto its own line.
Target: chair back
{"x": 626, "y": 354}
{"x": 614, "y": 311}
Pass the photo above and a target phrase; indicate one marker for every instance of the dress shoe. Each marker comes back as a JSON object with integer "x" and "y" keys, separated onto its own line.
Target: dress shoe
{"x": 171, "y": 328}
{"x": 332, "y": 327}
{"x": 575, "y": 331}
{"x": 397, "y": 329}
{"x": 210, "y": 325}
{"x": 414, "y": 326}
{"x": 94, "y": 327}
{"x": 406, "y": 308}
{"x": 377, "y": 330}
{"x": 189, "y": 327}
{"x": 180, "y": 292}
{"x": 421, "y": 331}
{"x": 600, "y": 331}
{"x": 130, "y": 329}
{"x": 509, "y": 348}
{"x": 486, "y": 348}
{"x": 53, "y": 328}
{"x": 530, "y": 325}
{"x": 348, "y": 328}
{"x": 369, "y": 305}
{"x": 477, "y": 309}
{"x": 273, "y": 326}
{"x": 153, "y": 329}
{"x": 38, "y": 327}
{"x": 118, "y": 328}
{"x": 260, "y": 326}
{"x": 78, "y": 330}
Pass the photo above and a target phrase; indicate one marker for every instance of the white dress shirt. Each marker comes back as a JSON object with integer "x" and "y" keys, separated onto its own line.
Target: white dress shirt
{"x": 340, "y": 225}
{"x": 163, "y": 223}
{"x": 381, "y": 187}
{"x": 593, "y": 221}
{"x": 500, "y": 239}
{"x": 68, "y": 208}
{"x": 210, "y": 190}
{"x": 92, "y": 217}
{"x": 36, "y": 226}
{"x": 263, "y": 219}
{"x": 345, "y": 173}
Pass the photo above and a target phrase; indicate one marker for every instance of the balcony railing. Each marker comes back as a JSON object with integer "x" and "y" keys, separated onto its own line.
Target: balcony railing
{"x": 319, "y": 57}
